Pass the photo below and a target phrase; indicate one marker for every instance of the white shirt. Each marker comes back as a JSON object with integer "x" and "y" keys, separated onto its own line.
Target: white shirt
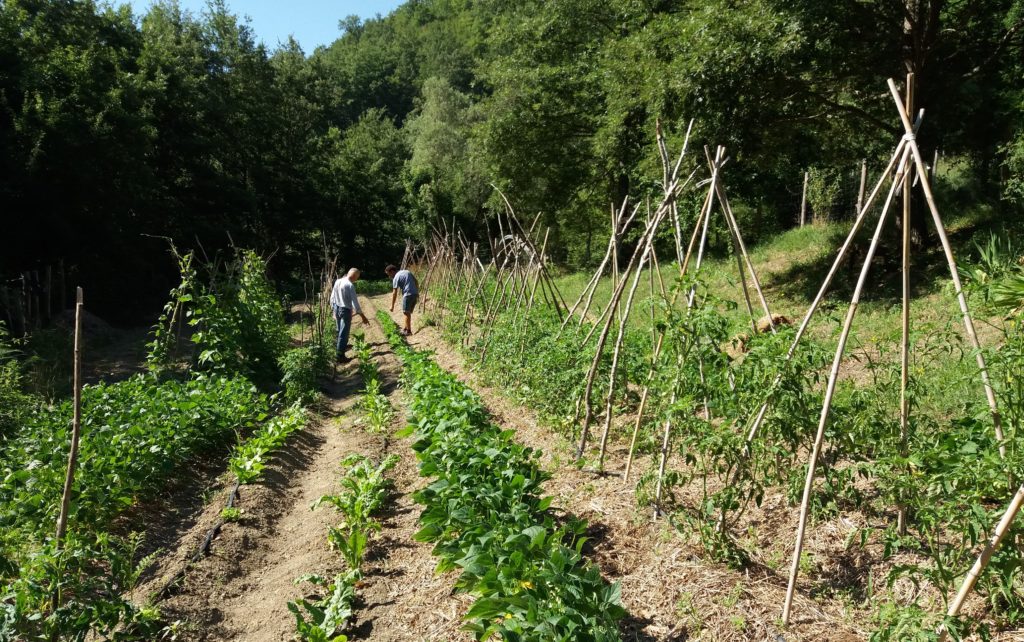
{"x": 343, "y": 295}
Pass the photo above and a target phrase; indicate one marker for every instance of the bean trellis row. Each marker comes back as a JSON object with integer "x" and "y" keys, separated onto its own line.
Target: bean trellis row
{"x": 739, "y": 418}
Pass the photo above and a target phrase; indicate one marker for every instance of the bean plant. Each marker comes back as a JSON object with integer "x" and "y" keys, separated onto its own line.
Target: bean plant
{"x": 486, "y": 515}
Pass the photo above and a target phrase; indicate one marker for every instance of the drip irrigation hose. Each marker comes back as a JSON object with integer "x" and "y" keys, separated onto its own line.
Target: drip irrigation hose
{"x": 203, "y": 550}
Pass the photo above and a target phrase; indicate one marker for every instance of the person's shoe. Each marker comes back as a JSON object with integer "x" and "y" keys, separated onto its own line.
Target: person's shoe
{"x": 343, "y": 358}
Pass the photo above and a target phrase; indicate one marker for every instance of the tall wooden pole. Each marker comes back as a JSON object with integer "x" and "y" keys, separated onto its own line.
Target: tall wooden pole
{"x": 803, "y": 201}
{"x": 76, "y": 425}
{"x": 829, "y": 392}
{"x": 901, "y": 509}
{"x": 983, "y": 559}
{"x": 863, "y": 184}
{"x": 947, "y": 249}
{"x": 827, "y": 283}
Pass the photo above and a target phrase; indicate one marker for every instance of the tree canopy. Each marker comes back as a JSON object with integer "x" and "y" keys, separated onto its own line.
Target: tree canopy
{"x": 118, "y": 129}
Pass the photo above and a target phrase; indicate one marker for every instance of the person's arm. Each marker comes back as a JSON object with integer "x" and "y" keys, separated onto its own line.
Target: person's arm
{"x": 356, "y": 307}
{"x": 394, "y": 296}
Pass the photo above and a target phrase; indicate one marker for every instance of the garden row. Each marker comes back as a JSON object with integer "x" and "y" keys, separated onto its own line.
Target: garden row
{"x": 705, "y": 386}
{"x": 137, "y": 437}
{"x": 486, "y": 516}
{"x": 364, "y": 490}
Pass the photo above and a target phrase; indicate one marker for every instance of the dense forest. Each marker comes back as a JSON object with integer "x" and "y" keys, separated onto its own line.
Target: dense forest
{"x": 119, "y": 131}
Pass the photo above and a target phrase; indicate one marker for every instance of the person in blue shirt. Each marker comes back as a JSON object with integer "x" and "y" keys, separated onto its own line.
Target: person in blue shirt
{"x": 405, "y": 281}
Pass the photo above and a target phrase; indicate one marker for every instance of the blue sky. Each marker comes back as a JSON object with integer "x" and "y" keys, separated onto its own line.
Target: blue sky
{"x": 312, "y": 22}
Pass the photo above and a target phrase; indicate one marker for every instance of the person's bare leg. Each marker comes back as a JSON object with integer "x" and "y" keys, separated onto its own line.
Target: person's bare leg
{"x": 408, "y": 323}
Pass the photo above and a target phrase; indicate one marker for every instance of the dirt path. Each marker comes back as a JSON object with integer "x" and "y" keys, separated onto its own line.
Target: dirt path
{"x": 241, "y": 590}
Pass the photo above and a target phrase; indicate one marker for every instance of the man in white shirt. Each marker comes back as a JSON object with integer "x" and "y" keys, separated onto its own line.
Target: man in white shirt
{"x": 344, "y": 301}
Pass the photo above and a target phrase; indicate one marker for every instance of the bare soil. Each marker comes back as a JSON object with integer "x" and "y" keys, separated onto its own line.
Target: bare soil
{"x": 670, "y": 589}
{"x": 242, "y": 589}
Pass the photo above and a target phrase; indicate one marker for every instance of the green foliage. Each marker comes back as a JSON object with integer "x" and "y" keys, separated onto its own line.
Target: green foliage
{"x": 15, "y": 405}
{"x": 406, "y": 119}
{"x": 250, "y": 456}
{"x": 485, "y": 514}
{"x": 365, "y": 488}
{"x": 300, "y": 370}
{"x": 320, "y": 620}
{"x": 235, "y": 316}
{"x": 90, "y": 600}
{"x": 136, "y": 435}
{"x": 377, "y": 407}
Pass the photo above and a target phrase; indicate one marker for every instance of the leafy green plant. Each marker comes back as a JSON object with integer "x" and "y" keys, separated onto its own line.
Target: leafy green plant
{"x": 320, "y": 620}
{"x": 300, "y": 370}
{"x": 137, "y": 434}
{"x": 377, "y": 407}
{"x": 235, "y": 316}
{"x": 250, "y": 456}
{"x": 365, "y": 488}
{"x": 486, "y": 516}
{"x": 15, "y": 405}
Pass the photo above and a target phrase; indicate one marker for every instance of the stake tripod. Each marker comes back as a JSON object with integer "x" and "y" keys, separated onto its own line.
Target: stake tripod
{"x": 910, "y": 159}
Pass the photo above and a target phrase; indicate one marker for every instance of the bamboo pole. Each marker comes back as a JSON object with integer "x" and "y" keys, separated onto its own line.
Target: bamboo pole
{"x": 947, "y": 249}
{"x": 830, "y": 391}
{"x": 826, "y": 284}
{"x": 736, "y": 249}
{"x": 615, "y": 257}
{"x": 731, "y": 219}
{"x": 605, "y": 312}
{"x": 588, "y": 289}
{"x": 803, "y": 201}
{"x": 616, "y": 297}
{"x": 700, "y": 222}
{"x": 983, "y": 559}
{"x": 618, "y": 348}
{"x": 901, "y": 509}
{"x": 665, "y": 438}
{"x": 76, "y": 425}
{"x": 863, "y": 184}
{"x": 603, "y": 337}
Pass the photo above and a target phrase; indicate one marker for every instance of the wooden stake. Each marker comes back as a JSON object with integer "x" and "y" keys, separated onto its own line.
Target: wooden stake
{"x": 731, "y": 220}
{"x": 863, "y": 184}
{"x": 665, "y": 439}
{"x": 701, "y": 222}
{"x": 983, "y": 559}
{"x": 947, "y": 249}
{"x": 901, "y": 509}
{"x": 76, "y": 425}
{"x": 830, "y": 391}
{"x": 620, "y": 337}
{"x": 803, "y": 200}
{"x": 826, "y": 284}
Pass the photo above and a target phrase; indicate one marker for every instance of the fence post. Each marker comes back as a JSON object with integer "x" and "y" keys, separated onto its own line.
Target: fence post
{"x": 803, "y": 201}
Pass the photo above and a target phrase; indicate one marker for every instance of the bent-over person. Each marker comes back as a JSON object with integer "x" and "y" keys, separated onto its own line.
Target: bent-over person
{"x": 344, "y": 302}
{"x": 405, "y": 281}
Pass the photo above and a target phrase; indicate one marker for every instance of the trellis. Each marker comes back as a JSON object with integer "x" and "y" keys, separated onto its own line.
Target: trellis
{"x": 518, "y": 270}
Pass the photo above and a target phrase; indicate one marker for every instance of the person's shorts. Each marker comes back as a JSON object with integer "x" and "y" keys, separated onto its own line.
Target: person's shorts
{"x": 409, "y": 303}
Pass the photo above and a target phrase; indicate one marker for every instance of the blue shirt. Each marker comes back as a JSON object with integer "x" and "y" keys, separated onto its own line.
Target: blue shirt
{"x": 406, "y": 282}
